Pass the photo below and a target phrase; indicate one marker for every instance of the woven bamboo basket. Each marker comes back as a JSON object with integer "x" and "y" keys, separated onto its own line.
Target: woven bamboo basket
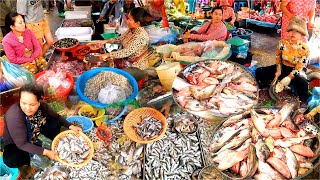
{"x": 64, "y": 133}
{"x": 136, "y": 116}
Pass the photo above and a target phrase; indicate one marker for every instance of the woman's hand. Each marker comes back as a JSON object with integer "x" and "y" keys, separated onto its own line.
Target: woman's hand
{"x": 50, "y": 154}
{"x": 101, "y": 43}
{"x": 28, "y": 54}
{"x": 310, "y": 25}
{"x": 75, "y": 128}
{"x": 103, "y": 57}
{"x": 186, "y": 35}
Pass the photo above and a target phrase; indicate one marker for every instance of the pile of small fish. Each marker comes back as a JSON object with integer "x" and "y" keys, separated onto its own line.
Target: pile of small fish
{"x": 215, "y": 88}
{"x": 149, "y": 128}
{"x": 65, "y": 43}
{"x": 265, "y": 144}
{"x": 73, "y": 149}
{"x": 101, "y": 80}
{"x": 56, "y": 175}
{"x": 185, "y": 124}
{"x": 175, "y": 156}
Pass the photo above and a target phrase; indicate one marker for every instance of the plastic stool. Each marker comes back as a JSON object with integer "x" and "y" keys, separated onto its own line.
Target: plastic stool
{"x": 242, "y": 4}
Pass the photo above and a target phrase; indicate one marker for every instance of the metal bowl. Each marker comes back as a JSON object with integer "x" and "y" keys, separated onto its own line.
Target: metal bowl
{"x": 56, "y": 168}
{"x": 187, "y": 116}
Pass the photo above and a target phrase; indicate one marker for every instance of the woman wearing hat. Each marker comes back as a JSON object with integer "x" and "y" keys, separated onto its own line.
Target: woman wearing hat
{"x": 302, "y": 8}
{"x": 291, "y": 58}
{"x": 228, "y": 13}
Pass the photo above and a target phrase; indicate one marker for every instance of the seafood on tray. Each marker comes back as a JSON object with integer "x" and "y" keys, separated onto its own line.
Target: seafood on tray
{"x": 185, "y": 124}
{"x": 265, "y": 144}
{"x": 214, "y": 88}
{"x": 57, "y": 175}
{"x": 73, "y": 149}
{"x": 149, "y": 128}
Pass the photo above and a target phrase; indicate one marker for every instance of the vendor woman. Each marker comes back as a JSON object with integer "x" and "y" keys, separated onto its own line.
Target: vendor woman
{"x": 135, "y": 43}
{"x": 212, "y": 30}
{"x": 24, "y": 122}
{"x": 291, "y": 58}
{"x": 21, "y": 45}
{"x": 228, "y": 13}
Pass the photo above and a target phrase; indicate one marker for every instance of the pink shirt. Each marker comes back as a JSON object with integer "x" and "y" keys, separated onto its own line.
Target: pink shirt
{"x": 215, "y": 32}
{"x": 15, "y": 50}
{"x": 229, "y": 13}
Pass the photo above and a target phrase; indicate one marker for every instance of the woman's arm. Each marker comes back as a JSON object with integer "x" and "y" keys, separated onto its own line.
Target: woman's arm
{"x": 232, "y": 15}
{"x": 284, "y": 9}
{"x": 36, "y": 46}
{"x": 311, "y": 15}
{"x": 11, "y": 54}
{"x": 203, "y": 28}
{"x": 104, "y": 11}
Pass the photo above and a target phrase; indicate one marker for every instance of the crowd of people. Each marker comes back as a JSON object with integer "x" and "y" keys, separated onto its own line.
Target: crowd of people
{"x": 27, "y": 37}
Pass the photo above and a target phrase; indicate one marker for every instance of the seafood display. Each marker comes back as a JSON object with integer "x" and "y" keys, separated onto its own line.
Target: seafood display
{"x": 77, "y": 23}
{"x": 56, "y": 173}
{"x": 96, "y": 83}
{"x": 174, "y": 156}
{"x": 149, "y": 128}
{"x": 185, "y": 124}
{"x": 73, "y": 149}
{"x": 54, "y": 82}
{"x": 66, "y": 43}
{"x": 213, "y": 88}
{"x": 73, "y": 67}
{"x": 89, "y": 114}
{"x": 264, "y": 144}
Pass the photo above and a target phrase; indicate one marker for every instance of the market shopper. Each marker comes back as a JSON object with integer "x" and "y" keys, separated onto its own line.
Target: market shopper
{"x": 24, "y": 122}
{"x": 5, "y": 8}
{"x": 228, "y": 13}
{"x": 128, "y": 6}
{"x": 112, "y": 7}
{"x": 36, "y": 22}
{"x": 212, "y": 30}
{"x": 21, "y": 45}
{"x": 302, "y": 8}
{"x": 136, "y": 50}
{"x": 291, "y": 59}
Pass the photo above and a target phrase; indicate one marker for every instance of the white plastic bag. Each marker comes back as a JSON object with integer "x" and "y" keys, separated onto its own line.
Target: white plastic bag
{"x": 111, "y": 94}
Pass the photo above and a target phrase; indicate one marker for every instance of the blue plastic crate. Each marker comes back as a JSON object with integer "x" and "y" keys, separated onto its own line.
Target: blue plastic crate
{"x": 14, "y": 172}
{"x": 81, "y": 83}
{"x": 85, "y": 122}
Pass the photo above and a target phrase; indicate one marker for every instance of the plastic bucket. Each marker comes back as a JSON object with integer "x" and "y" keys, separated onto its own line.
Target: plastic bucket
{"x": 167, "y": 73}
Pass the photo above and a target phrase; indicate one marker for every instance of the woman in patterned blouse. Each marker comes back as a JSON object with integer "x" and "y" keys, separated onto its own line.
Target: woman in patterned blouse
{"x": 135, "y": 42}
{"x": 213, "y": 30}
{"x": 291, "y": 59}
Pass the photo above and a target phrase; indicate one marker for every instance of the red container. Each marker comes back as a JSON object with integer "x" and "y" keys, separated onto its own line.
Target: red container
{"x": 62, "y": 94}
{"x": 1, "y": 126}
{"x": 107, "y": 133}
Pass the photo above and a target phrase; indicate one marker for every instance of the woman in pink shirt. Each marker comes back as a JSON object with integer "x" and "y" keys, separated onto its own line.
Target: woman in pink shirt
{"x": 21, "y": 46}
{"x": 212, "y": 30}
{"x": 228, "y": 13}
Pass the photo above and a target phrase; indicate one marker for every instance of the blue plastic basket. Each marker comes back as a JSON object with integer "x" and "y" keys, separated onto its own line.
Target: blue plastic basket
{"x": 82, "y": 80}
{"x": 6, "y": 170}
{"x": 247, "y": 36}
{"x": 86, "y": 123}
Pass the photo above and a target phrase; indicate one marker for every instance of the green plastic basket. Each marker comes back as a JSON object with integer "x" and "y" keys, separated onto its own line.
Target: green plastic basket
{"x": 109, "y": 36}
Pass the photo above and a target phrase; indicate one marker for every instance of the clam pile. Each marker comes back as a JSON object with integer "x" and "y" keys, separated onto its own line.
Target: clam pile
{"x": 149, "y": 128}
{"x": 96, "y": 83}
{"x": 66, "y": 43}
{"x": 73, "y": 149}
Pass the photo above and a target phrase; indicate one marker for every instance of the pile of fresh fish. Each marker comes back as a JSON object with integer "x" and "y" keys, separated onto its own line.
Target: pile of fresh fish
{"x": 175, "y": 156}
{"x": 215, "y": 88}
{"x": 73, "y": 149}
{"x": 149, "y": 128}
{"x": 185, "y": 124}
{"x": 265, "y": 144}
{"x": 57, "y": 175}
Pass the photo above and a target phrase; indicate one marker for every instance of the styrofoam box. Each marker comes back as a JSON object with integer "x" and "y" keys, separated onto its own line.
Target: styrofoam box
{"x": 108, "y": 29}
{"x": 80, "y": 33}
{"x": 82, "y": 8}
{"x": 77, "y": 15}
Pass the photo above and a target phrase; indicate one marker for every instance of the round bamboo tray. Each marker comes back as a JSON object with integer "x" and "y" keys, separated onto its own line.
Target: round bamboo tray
{"x": 64, "y": 133}
{"x": 136, "y": 116}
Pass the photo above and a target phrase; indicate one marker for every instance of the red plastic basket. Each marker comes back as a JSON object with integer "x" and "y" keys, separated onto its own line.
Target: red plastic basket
{"x": 61, "y": 94}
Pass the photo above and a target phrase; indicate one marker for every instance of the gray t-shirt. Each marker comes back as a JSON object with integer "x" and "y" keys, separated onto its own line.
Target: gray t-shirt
{"x": 31, "y": 9}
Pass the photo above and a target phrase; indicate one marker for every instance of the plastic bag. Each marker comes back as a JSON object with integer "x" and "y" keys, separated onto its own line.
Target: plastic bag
{"x": 5, "y": 176}
{"x": 40, "y": 161}
{"x": 13, "y": 75}
{"x": 111, "y": 94}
